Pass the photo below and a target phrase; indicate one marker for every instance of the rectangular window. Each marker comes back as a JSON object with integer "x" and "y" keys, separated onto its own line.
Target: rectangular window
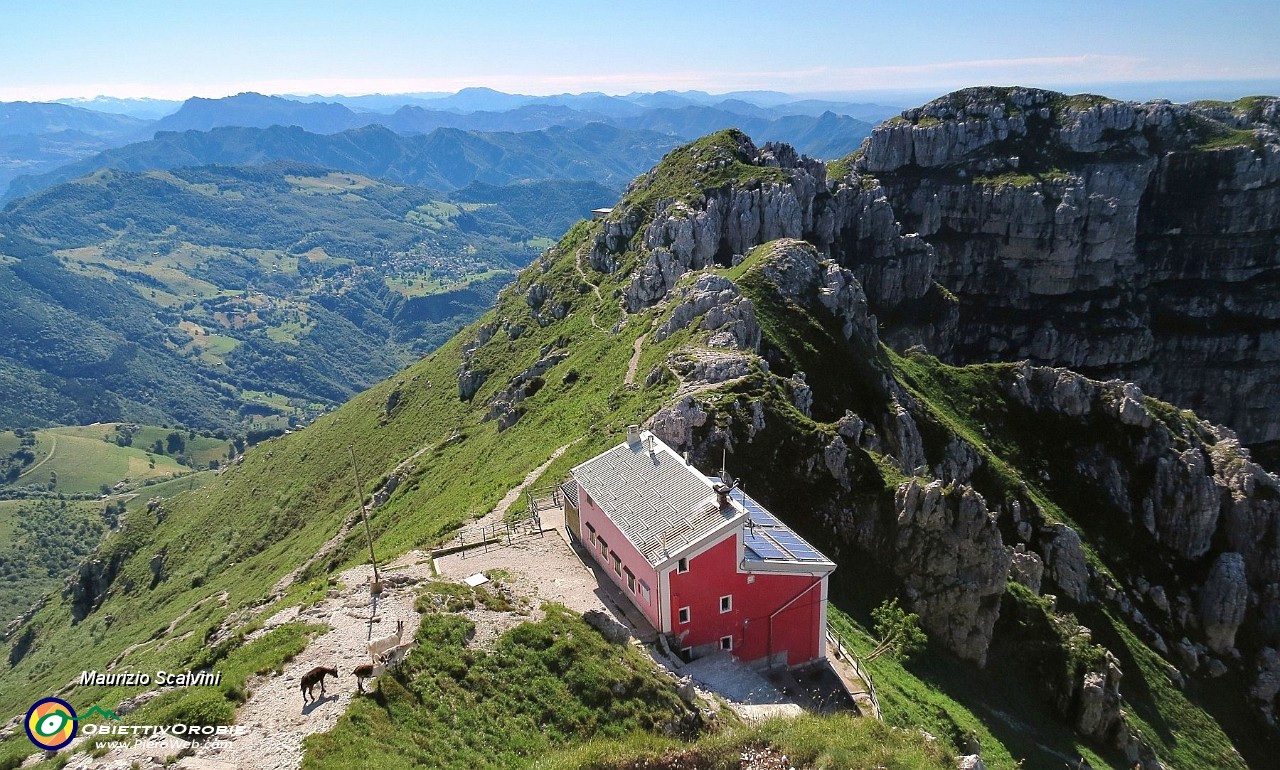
{"x": 617, "y": 563}
{"x": 684, "y": 614}
{"x": 682, "y": 566}
{"x": 726, "y": 603}
{"x": 591, "y": 534}
{"x": 631, "y": 580}
{"x": 604, "y": 547}
{"x": 726, "y": 642}
{"x": 644, "y": 591}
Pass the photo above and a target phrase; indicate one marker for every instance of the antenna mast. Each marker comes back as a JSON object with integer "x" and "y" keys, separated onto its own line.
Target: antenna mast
{"x": 377, "y": 583}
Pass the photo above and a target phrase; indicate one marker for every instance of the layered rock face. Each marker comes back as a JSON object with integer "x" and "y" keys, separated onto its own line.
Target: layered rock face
{"x": 1130, "y": 241}
{"x": 849, "y": 219}
{"x": 953, "y": 565}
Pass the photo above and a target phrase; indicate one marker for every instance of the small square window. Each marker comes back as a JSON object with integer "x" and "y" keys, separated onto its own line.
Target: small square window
{"x": 604, "y": 547}
{"x": 684, "y": 614}
{"x": 682, "y": 566}
{"x": 726, "y": 642}
{"x": 726, "y": 603}
{"x": 631, "y": 579}
{"x": 617, "y": 563}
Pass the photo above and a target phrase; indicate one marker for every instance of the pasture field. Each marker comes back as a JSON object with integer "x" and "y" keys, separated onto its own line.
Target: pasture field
{"x": 201, "y": 449}
{"x": 83, "y": 458}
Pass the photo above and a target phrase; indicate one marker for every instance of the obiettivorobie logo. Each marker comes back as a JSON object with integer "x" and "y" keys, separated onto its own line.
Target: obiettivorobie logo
{"x": 52, "y": 723}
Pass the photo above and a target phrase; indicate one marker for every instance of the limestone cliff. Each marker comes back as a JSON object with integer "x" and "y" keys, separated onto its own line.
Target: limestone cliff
{"x": 1130, "y": 241}
{"x": 1122, "y": 240}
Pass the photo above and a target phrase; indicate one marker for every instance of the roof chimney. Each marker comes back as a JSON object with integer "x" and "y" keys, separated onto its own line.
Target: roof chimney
{"x": 633, "y": 435}
{"x": 722, "y": 494}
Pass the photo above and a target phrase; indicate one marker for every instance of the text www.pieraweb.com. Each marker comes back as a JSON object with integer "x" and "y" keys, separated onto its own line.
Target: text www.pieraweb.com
{"x": 161, "y": 741}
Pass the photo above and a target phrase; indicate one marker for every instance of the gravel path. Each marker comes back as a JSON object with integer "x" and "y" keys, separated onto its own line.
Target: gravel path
{"x": 636, "y": 348}
{"x": 275, "y": 716}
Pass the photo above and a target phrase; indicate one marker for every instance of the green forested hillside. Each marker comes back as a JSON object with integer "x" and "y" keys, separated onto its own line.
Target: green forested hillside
{"x": 232, "y": 296}
{"x": 41, "y": 541}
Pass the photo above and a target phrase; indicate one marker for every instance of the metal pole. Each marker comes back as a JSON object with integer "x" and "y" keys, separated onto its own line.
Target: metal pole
{"x": 360, "y": 498}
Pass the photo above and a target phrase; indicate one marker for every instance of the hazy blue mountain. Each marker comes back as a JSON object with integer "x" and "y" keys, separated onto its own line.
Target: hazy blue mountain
{"x": 868, "y": 111}
{"x": 827, "y": 136}
{"x": 17, "y": 118}
{"x": 445, "y": 159}
{"x": 63, "y": 135}
{"x": 762, "y": 98}
{"x": 479, "y": 99}
{"x": 258, "y": 111}
{"x": 663, "y": 99}
{"x": 529, "y": 117}
{"x": 380, "y": 103}
{"x": 595, "y": 102}
{"x": 144, "y": 108}
{"x": 38, "y": 137}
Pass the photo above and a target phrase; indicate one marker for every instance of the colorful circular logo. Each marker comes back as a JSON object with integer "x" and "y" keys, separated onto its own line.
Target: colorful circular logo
{"x": 51, "y": 723}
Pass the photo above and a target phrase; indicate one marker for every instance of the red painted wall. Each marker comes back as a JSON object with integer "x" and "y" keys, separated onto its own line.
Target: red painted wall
{"x": 590, "y": 513}
{"x": 713, "y": 574}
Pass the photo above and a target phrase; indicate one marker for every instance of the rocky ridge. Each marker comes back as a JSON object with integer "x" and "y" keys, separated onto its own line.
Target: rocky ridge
{"x": 1126, "y": 241}
{"x": 1185, "y": 489}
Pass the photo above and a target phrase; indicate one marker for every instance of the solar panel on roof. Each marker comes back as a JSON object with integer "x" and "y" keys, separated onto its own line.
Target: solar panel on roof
{"x": 758, "y": 512}
{"x": 763, "y": 546}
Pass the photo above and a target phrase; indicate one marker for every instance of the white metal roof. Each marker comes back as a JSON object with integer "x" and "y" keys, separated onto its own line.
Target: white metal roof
{"x": 660, "y": 503}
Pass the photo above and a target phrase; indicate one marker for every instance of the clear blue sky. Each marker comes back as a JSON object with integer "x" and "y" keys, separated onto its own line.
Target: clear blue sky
{"x": 174, "y": 49}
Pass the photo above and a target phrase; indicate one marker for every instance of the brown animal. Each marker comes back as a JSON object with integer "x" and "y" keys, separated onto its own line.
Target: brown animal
{"x": 366, "y": 671}
{"x": 315, "y": 677}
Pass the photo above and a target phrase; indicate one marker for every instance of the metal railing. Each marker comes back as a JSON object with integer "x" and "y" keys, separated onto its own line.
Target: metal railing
{"x": 535, "y": 498}
{"x": 845, "y": 654}
{"x": 487, "y": 536}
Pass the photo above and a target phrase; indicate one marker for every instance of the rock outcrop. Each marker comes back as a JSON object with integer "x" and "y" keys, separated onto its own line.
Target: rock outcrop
{"x": 86, "y": 589}
{"x": 948, "y": 553}
{"x": 1129, "y": 241}
{"x": 1223, "y": 601}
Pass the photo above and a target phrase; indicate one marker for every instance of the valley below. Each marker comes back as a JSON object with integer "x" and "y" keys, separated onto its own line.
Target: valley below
{"x": 1011, "y": 363}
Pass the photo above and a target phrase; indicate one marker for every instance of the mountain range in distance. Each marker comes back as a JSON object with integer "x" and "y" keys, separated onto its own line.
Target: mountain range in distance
{"x": 479, "y": 99}
{"x": 445, "y": 159}
{"x": 39, "y": 138}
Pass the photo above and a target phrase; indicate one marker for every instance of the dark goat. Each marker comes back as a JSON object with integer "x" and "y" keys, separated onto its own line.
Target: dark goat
{"x": 315, "y": 677}
{"x": 366, "y": 671}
